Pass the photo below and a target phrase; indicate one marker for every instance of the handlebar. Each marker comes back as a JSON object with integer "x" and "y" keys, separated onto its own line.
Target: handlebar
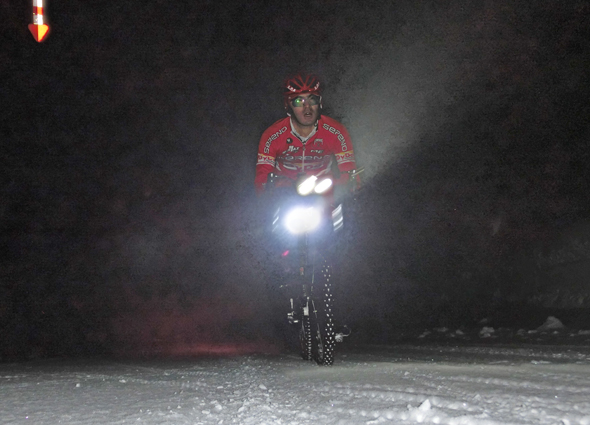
{"x": 353, "y": 173}
{"x": 353, "y": 181}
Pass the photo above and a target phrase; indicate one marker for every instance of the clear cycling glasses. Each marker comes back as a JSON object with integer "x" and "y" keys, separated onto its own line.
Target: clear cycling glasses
{"x": 301, "y": 101}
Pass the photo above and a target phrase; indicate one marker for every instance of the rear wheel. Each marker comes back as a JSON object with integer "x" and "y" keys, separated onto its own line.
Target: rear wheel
{"x": 323, "y": 336}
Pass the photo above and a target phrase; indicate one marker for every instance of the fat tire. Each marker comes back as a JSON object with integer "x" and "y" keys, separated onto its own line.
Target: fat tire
{"x": 323, "y": 335}
{"x": 305, "y": 342}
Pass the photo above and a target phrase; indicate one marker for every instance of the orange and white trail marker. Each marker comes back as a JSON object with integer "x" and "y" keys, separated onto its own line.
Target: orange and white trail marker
{"x": 38, "y": 28}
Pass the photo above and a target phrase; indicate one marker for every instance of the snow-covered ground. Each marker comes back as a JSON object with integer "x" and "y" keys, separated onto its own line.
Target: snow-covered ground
{"x": 438, "y": 377}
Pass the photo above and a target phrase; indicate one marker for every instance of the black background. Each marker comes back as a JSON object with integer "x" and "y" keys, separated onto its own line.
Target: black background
{"x": 129, "y": 139}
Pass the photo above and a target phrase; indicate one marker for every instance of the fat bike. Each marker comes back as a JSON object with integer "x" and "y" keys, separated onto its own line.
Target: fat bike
{"x": 306, "y": 223}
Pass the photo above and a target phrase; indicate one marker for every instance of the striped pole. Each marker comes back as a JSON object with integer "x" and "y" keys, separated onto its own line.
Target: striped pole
{"x": 38, "y": 28}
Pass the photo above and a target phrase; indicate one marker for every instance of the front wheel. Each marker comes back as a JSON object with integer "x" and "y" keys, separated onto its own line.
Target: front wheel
{"x": 322, "y": 317}
{"x": 305, "y": 337}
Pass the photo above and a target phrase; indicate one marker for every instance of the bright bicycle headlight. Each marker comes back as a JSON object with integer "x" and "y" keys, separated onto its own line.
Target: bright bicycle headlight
{"x": 303, "y": 220}
{"x": 311, "y": 184}
{"x": 323, "y": 185}
{"x": 306, "y": 186}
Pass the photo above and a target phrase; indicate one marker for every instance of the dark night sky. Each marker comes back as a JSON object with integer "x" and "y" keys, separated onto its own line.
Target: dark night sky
{"x": 129, "y": 137}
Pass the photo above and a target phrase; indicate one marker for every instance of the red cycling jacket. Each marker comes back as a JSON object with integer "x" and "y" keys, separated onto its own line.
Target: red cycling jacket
{"x": 284, "y": 152}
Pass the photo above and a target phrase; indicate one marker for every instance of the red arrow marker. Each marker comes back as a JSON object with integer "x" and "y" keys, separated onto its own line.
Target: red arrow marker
{"x": 37, "y": 28}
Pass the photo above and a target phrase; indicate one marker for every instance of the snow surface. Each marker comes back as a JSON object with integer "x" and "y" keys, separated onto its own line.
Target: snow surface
{"x": 451, "y": 378}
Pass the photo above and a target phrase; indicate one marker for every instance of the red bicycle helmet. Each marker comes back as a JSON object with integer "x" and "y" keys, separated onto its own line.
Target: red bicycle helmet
{"x": 300, "y": 84}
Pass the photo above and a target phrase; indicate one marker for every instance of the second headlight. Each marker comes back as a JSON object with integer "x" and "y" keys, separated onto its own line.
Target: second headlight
{"x": 303, "y": 220}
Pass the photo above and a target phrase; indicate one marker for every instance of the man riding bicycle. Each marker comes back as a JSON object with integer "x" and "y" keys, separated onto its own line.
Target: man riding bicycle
{"x": 304, "y": 142}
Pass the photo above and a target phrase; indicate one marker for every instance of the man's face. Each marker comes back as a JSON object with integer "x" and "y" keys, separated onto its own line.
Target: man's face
{"x": 305, "y": 109}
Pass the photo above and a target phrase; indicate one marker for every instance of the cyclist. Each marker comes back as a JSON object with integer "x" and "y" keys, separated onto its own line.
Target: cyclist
{"x": 304, "y": 142}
